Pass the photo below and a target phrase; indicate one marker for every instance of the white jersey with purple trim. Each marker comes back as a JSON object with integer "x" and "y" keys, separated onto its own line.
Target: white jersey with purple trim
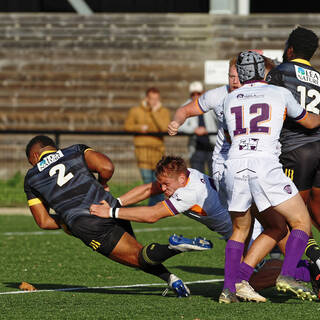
{"x": 254, "y": 116}
{"x": 199, "y": 200}
{"x": 213, "y": 100}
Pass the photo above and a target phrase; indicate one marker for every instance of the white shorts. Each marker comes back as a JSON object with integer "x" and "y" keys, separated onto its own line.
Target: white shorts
{"x": 256, "y": 180}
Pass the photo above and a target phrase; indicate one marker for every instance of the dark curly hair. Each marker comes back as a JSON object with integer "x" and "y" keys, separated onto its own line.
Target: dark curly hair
{"x": 44, "y": 141}
{"x": 169, "y": 164}
{"x": 304, "y": 42}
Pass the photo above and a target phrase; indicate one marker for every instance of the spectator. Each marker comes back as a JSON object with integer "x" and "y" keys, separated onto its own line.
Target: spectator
{"x": 201, "y": 145}
{"x": 149, "y": 116}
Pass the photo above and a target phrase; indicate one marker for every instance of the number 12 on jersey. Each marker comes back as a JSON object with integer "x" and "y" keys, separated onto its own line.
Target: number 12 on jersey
{"x": 262, "y": 110}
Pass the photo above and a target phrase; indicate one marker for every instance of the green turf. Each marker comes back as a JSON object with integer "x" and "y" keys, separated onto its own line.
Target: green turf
{"x": 56, "y": 260}
{"x": 12, "y": 193}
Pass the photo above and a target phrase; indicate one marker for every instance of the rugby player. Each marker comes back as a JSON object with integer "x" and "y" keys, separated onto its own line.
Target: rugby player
{"x": 300, "y": 151}
{"x": 188, "y": 191}
{"x": 253, "y": 171}
{"x": 63, "y": 180}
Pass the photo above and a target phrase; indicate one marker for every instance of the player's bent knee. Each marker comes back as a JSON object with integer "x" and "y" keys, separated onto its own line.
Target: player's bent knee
{"x": 144, "y": 259}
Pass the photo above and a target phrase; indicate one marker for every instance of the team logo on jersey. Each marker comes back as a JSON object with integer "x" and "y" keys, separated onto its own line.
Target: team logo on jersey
{"x": 288, "y": 189}
{"x": 249, "y": 96}
{"x": 307, "y": 75}
{"x": 176, "y": 196}
{"x": 49, "y": 159}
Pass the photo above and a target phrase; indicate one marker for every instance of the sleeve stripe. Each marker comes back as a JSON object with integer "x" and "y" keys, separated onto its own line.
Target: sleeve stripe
{"x": 165, "y": 204}
{"x": 199, "y": 106}
{"x": 302, "y": 116}
{"x": 88, "y": 149}
{"x": 34, "y": 201}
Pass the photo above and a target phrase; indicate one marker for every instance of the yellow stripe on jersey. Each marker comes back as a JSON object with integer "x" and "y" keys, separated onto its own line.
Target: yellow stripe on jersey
{"x": 198, "y": 106}
{"x": 88, "y": 150}
{"x": 164, "y": 203}
{"x": 302, "y": 61}
{"x": 46, "y": 152}
{"x": 34, "y": 201}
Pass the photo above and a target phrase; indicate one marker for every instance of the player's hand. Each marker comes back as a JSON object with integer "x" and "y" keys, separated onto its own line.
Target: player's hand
{"x": 100, "y": 210}
{"x": 173, "y": 128}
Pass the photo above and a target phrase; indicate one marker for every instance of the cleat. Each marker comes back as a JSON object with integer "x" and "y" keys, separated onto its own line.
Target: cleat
{"x": 315, "y": 278}
{"x": 227, "y": 296}
{"x": 246, "y": 293}
{"x": 287, "y": 283}
{"x": 178, "y": 287}
{"x": 183, "y": 244}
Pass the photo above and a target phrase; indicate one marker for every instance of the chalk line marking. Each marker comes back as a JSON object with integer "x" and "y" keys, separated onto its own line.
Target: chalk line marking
{"x": 41, "y": 233}
{"x": 141, "y": 285}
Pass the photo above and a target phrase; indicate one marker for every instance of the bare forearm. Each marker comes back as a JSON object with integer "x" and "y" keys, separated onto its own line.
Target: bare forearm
{"x": 139, "y": 214}
{"x": 136, "y": 194}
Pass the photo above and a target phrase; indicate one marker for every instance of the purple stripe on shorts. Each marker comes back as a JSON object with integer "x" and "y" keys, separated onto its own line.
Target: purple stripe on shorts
{"x": 171, "y": 206}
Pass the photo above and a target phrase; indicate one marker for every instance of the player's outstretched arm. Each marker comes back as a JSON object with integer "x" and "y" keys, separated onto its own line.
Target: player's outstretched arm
{"x": 189, "y": 110}
{"x": 43, "y": 218}
{"x": 138, "y": 214}
{"x": 140, "y": 193}
{"x": 100, "y": 163}
{"x": 310, "y": 121}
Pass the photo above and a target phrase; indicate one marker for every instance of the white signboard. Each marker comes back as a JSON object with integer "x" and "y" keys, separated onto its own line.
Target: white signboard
{"x": 216, "y": 71}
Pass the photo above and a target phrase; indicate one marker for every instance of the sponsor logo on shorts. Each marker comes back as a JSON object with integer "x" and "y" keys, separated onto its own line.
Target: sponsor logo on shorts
{"x": 288, "y": 189}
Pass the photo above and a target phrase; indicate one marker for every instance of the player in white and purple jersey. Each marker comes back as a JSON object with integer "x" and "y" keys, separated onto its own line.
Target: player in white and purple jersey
{"x": 254, "y": 116}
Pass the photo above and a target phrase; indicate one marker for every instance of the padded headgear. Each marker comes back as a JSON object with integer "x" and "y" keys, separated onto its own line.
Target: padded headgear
{"x": 250, "y": 66}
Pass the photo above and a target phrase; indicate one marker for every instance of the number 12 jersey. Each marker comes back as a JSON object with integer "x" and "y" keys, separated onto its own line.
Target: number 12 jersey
{"x": 254, "y": 115}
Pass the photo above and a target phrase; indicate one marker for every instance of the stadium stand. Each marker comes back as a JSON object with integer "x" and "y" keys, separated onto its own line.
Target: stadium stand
{"x": 71, "y": 72}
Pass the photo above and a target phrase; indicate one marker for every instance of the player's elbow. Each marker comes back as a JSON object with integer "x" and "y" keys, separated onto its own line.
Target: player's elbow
{"x": 107, "y": 170}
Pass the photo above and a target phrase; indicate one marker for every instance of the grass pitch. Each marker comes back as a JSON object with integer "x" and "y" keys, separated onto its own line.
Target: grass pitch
{"x": 52, "y": 260}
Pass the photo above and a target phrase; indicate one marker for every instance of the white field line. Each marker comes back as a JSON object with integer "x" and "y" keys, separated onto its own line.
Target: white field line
{"x": 141, "y": 285}
{"x": 41, "y": 233}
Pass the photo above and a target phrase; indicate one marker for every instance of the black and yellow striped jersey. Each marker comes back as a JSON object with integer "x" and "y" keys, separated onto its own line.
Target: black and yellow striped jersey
{"x": 304, "y": 83}
{"x": 62, "y": 181}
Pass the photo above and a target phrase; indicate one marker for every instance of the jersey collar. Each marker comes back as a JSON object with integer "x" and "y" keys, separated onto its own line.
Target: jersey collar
{"x": 303, "y": 61}
{"x": 46, "y": 152}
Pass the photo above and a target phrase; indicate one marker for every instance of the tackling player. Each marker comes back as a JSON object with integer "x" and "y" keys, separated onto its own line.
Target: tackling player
{"x": 254, "y": 116}
{"x": 189, "y": 192}
{"x": 63, "y": 180}
{"x": 300, "y": 152}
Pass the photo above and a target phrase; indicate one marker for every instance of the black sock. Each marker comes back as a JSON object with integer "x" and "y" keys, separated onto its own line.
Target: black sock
{"x": 158, "y": 253}
{"x": 158, "y": 270}
{"x": 313, "y": 251}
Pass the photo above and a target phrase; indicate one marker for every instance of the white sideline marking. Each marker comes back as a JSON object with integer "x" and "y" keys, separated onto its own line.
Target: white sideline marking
{"x": 141, "y": 285}
{"x": 40, "y": 233}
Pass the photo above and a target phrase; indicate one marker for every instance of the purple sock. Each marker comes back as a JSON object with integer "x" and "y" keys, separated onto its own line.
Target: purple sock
{"x": 245, "y": 272}
{"x": 233, "y": 255}
{"x": 295, "y": 247}
{"x": 302, "y": 271}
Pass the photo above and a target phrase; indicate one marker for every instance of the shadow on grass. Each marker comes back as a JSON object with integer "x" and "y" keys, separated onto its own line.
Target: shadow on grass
{"x": 202, "y": 270}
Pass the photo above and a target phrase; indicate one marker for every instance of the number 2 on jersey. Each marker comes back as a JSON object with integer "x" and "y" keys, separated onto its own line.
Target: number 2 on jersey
{"x": 62, "y": 178}
{"x": 263, "y": 111}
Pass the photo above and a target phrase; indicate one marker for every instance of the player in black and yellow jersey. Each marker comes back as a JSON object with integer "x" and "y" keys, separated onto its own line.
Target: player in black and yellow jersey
{"x": 63, "y": 180}
{"x": 300, "y": 147}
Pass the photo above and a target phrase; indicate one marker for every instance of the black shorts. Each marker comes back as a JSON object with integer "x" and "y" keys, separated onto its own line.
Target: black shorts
{"x": 302, "y": 165}
{"x": 100, "y": 234}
